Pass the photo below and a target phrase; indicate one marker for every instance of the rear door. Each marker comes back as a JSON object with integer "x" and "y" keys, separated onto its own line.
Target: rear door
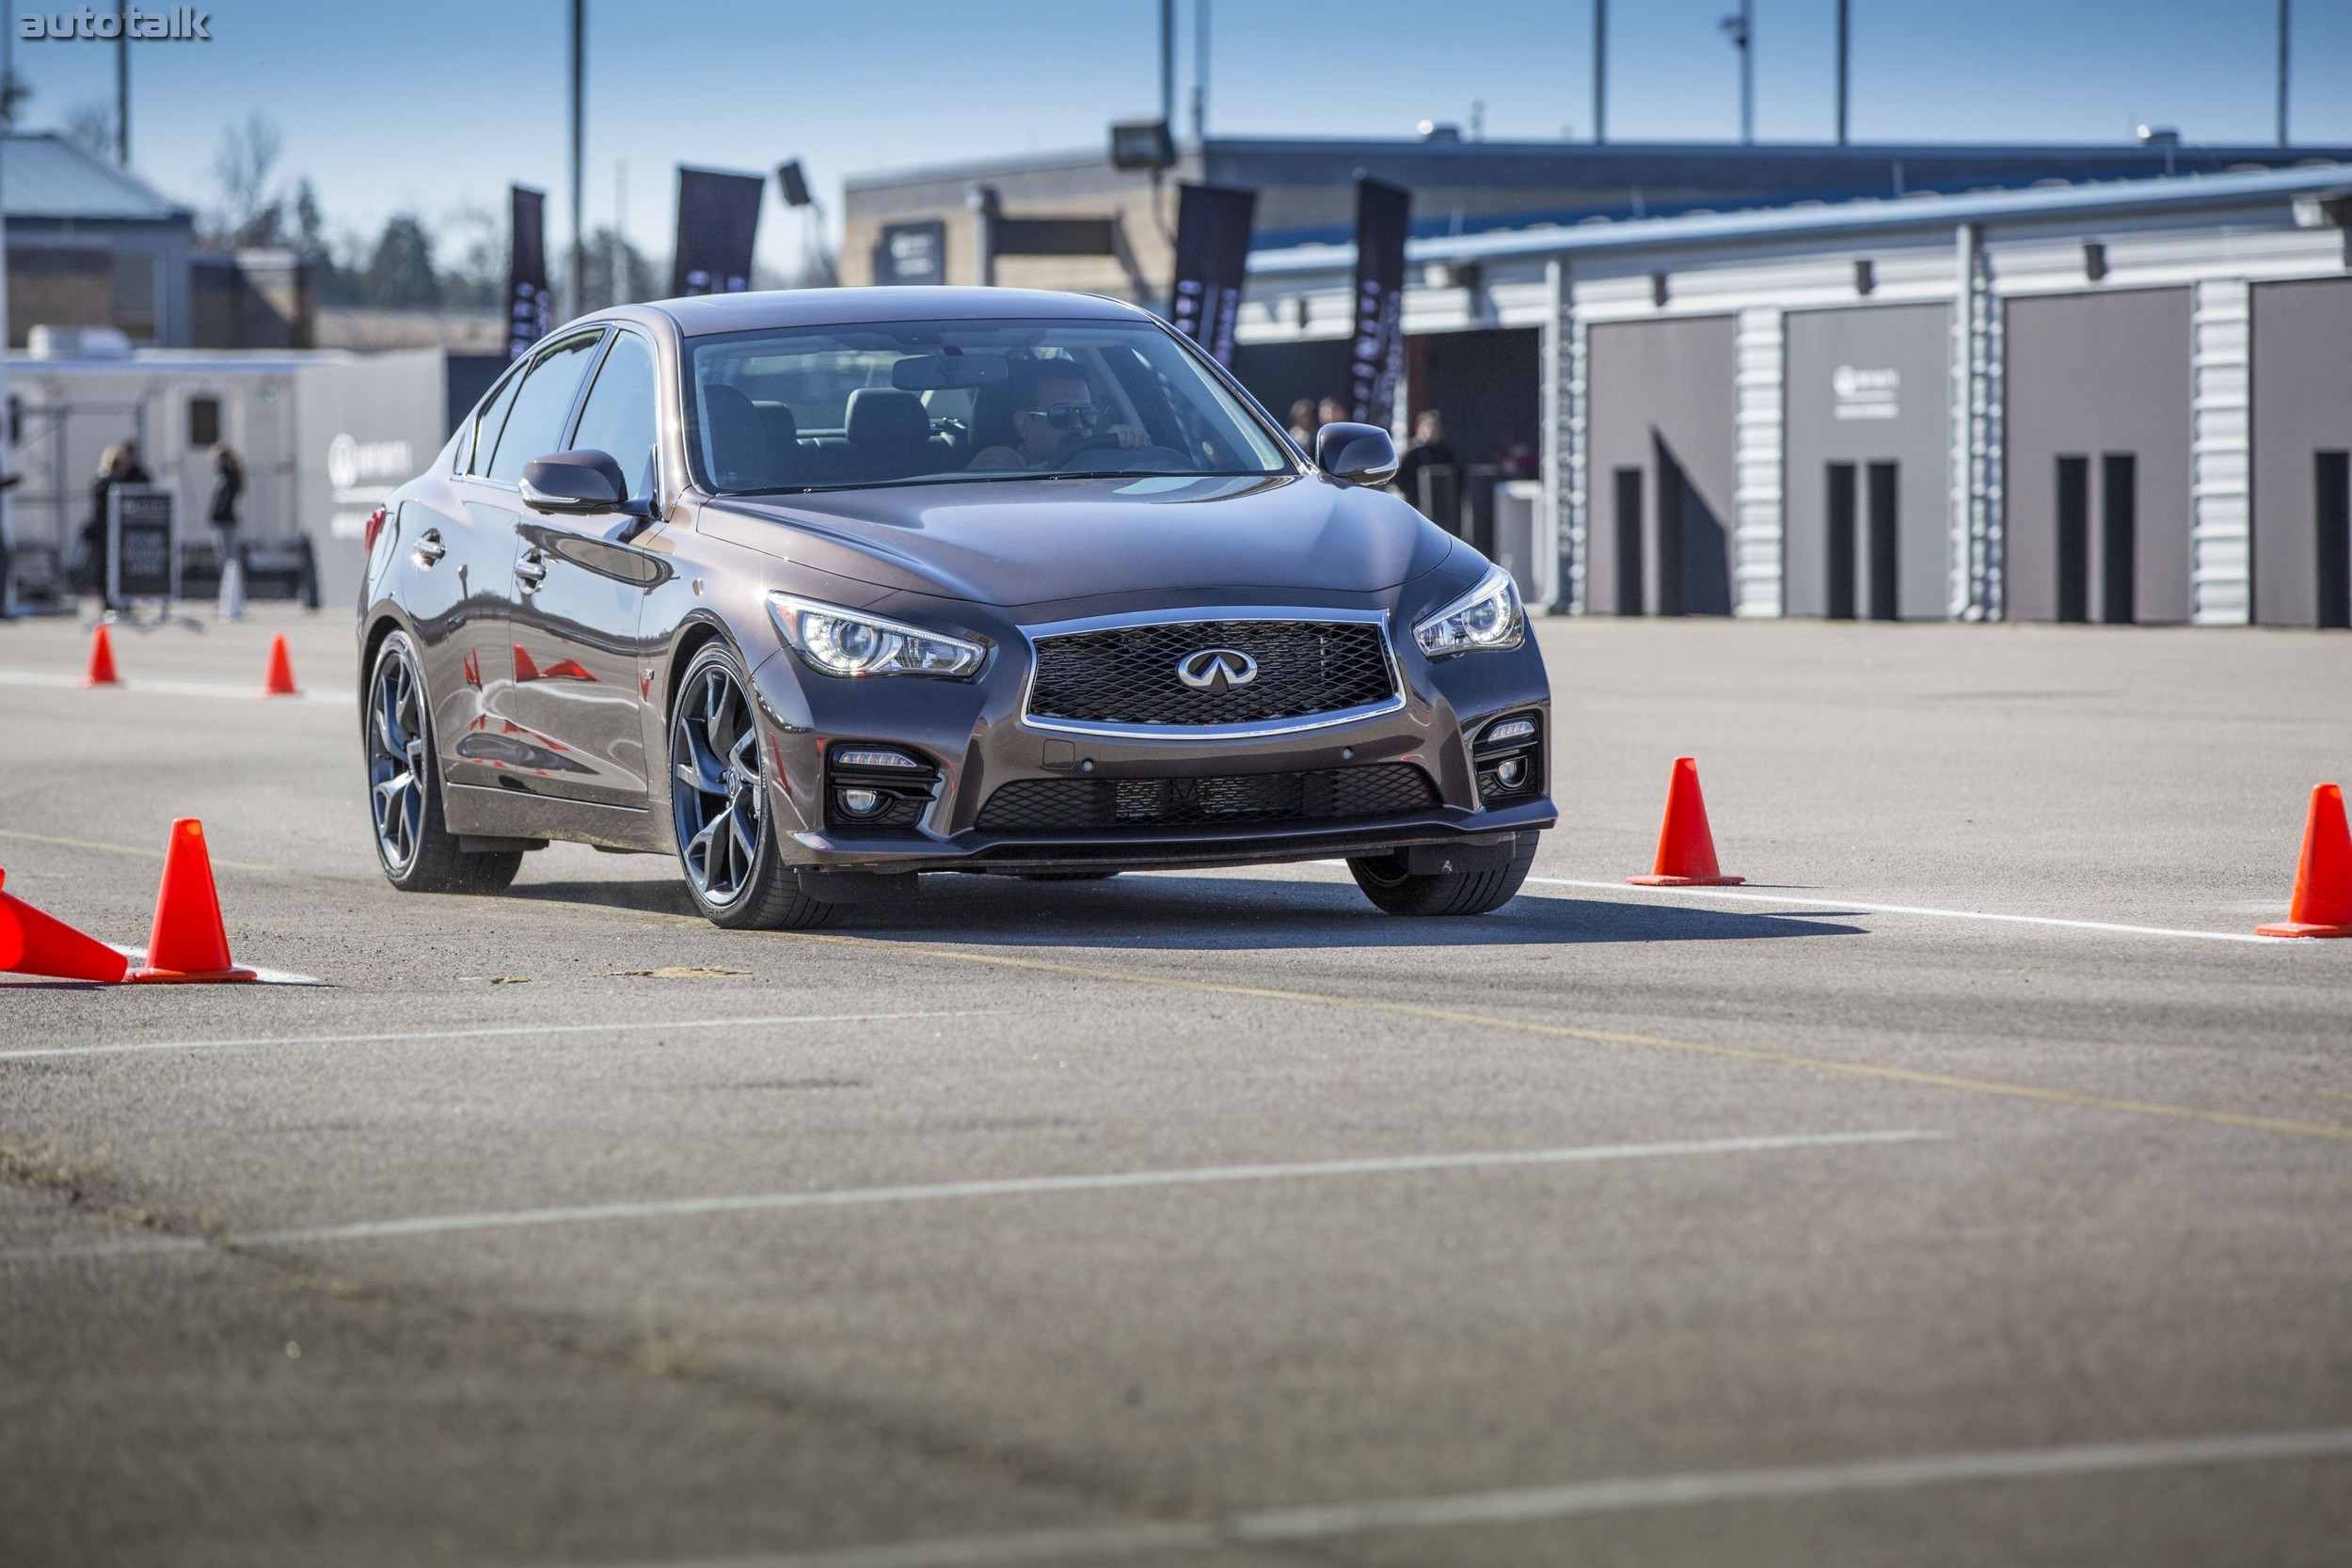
{"x": 580, "y": 593}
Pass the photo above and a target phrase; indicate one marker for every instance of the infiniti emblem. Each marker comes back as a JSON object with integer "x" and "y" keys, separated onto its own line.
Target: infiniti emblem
{"x": 1217, "y": 671}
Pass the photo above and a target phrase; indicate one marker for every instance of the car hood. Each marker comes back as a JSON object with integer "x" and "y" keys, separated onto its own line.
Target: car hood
{"x": 1032, "y": 543}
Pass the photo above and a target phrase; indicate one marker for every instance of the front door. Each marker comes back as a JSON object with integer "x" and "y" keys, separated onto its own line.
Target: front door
{"x": 580, "y": 593}
{"x": 500, "y": 746}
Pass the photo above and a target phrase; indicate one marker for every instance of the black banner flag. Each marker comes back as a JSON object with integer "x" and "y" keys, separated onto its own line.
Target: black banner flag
{"x": 528, "y": 316}
{"x": 718, "y": 220}
{"x": 1212, "y": 253}
{"x": 1383, "y": 214}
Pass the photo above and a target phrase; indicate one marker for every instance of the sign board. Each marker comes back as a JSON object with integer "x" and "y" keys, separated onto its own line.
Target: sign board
{"x": 1212, "y": 259}
{"x": 911, "y": 253}
{"x": 1377, "y": 356}
{"x": 142, "y": 550}
{"x": 718, "y": 221}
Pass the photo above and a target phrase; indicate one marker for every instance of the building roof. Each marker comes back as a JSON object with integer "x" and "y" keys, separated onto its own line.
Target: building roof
{"x": 1924, "y": 211}
{"x": 43, "y": 175}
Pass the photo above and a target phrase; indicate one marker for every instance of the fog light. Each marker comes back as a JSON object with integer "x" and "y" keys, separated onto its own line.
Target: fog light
{"x": 862, "y": 802}
{"x": 1511, "y": 772}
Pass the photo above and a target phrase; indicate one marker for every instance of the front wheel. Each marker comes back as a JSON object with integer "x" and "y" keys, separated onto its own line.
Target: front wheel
{"x": 413, "y": 844}
{"x": 726, "y": 837}
{"x": 1396, "y": 890}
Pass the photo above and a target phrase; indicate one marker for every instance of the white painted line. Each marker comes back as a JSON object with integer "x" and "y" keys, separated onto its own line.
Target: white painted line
{"x": 1019, "y": 1186}
{"x": 1866, "y": 908}
{"x": 1545, "y": 1503}
{"x": 132, "y": 1047}
{"x": 173, "y": 689}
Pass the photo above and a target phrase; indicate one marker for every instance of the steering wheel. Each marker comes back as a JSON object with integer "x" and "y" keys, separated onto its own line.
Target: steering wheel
{"x": 1106, "y": 442}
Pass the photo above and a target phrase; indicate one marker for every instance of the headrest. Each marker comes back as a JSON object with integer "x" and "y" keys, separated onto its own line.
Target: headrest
{"x": 777, "y": 419}
{"x": 737, "y": 442}
{"x": 886, "y": 417}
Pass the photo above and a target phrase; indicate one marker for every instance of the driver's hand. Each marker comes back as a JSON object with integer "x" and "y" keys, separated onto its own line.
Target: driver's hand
{"x": 1130, "y": 437}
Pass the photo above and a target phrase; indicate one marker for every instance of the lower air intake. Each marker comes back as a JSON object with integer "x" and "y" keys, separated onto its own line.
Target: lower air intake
{"x": 1100, "y": 805}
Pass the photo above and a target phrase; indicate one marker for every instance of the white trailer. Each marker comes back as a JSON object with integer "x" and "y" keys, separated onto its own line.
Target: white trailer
{"x": 325, "y": 435}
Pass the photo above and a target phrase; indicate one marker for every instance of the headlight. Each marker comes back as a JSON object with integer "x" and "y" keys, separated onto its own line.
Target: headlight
{"x": 843, "y": 642}
{"x": 1489, "y": 616}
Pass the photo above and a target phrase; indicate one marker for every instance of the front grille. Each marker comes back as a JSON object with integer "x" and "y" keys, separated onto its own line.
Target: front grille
{"x": 1127, "y": 675}
{"x": 1095, "y": 805}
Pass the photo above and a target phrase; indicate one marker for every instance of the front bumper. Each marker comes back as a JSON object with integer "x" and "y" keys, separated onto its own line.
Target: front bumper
{"x": 975, "y": 735}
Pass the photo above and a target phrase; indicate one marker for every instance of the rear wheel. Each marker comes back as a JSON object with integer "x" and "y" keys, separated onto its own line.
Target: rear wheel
{"x": 1396, "y": 890}
{"x": 413, "y": 844}
{"x": 719, "y": 804}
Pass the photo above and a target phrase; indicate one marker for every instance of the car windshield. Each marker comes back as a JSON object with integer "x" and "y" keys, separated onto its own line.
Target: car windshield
{"x": 935, "y": 402}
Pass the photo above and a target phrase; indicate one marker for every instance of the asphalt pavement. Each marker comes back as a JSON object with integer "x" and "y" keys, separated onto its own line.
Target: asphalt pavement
{"x": 1968, "y": 1187}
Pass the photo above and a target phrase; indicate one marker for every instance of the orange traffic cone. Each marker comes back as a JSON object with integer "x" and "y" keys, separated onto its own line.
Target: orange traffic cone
{"x": 2322, "y": 906}
{"x": 32, "y": 942}
{"x": 102, "y": 660}
{"x": 280, "y": 681}
{"x": 1686, "y": 851}
{"x": 188, "y": 941}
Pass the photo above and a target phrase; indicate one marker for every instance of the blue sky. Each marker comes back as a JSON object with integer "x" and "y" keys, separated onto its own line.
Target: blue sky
{"x": 433, "y": 105}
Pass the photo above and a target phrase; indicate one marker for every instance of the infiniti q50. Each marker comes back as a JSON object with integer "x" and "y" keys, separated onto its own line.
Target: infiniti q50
{"x": 822, "y": 590}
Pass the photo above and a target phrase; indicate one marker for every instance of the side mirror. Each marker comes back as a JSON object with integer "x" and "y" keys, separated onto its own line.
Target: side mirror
{"x": 580, "y": 484}
{"x": 1355, "y": 454}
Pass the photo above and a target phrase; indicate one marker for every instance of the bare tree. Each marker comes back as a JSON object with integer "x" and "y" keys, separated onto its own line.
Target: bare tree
{"x": 91, "y": 127}
{"x": 248, "y": 156}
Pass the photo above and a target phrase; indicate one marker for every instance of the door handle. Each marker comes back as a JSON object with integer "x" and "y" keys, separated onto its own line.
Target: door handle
{"x": 429, "y": 547}
{"x": 531, "y": 570}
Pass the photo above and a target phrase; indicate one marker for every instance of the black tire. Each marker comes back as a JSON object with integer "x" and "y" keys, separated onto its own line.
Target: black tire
{"x": 413, "y": 842}
{"x": 718, "y": 777}
{"x": 1394, "y": 890}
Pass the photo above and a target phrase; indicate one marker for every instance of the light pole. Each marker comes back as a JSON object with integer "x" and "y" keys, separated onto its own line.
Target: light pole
{"x": 1199, "y": 70}
{"x": 578, "y": 289}
{"x": 1600, "y": 72}
{"x": 122, "y": 88}
{"x": 1741, "y": 29}
{"x": 1844, "y": 59}
{"x": 2282, "y": 72}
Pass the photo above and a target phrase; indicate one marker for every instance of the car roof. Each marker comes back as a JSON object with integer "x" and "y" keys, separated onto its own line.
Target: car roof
{"x": 705, "y": 314}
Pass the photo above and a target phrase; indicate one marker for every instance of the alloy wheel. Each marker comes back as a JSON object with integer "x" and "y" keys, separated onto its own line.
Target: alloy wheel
{"x": 719, "y": 801}
{"x": 396, "y": 760}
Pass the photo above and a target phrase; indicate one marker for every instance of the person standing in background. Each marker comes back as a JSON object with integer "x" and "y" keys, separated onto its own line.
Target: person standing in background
{"x": 1334, "y": 412}
{"x": 1428, "y": 451}
{"x": 1303, "y": 424}
{"x": 228, "y": 487}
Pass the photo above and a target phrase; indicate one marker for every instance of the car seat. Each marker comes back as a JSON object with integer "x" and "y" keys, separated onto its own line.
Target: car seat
{"x": 890, "y": 435}
{"x": 744, "y": 449}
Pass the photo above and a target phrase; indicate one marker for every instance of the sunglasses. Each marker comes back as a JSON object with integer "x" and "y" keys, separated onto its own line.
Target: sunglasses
{"x": 1063, "y": 415}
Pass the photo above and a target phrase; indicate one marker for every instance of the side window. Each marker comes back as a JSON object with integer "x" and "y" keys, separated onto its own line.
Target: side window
{"x": 618, "y": 417}
{"x": 484, "y": 433}
{"x": 535, "y": 422}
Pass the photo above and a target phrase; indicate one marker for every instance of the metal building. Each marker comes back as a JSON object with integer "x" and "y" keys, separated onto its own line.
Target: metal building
{"x": 2127, "y": 401}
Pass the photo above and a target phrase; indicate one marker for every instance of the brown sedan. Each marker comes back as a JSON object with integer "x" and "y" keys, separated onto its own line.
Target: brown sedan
{"x": 819, "y": 590}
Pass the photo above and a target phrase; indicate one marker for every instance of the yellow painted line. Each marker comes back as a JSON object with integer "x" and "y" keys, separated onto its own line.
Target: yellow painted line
{"x": 1608, "y": 1037}
{"x": 1441, "y": 1015}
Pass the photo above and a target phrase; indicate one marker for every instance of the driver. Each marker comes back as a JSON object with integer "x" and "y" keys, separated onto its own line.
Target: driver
{"x": 1055, "y": 413}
